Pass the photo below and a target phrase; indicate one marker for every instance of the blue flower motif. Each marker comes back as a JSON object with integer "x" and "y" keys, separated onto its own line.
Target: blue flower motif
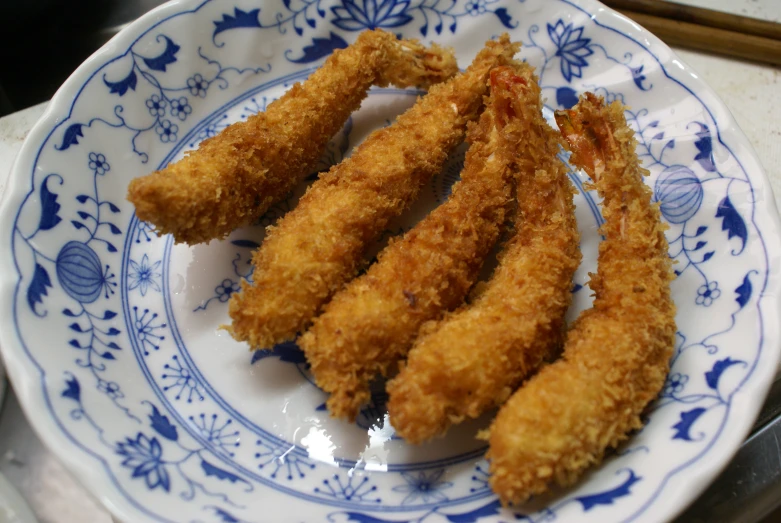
{"x": 571, "y": 47}
{"x": 181, "y": 108}
{"x": 98, "y": 163}
{"x": 167, "y": 131}
{"x": 198, "y": 85}
{"x": 156, "y": 105}
{"x": 144, "y": 456}
{"x": 707, "y": 293}
{"x": 356, "y": 15}
{"x": 674, "y": 384}
{"x": 475, "y": 7}
{"x": 225, "y": 289}
{"x": 110, "y": 388}
{"x": 422, "y": 486}
{"x": 142, "y": 275}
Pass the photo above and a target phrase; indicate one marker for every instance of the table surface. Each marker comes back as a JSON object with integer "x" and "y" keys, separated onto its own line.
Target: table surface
{"x": 750, "y": 91}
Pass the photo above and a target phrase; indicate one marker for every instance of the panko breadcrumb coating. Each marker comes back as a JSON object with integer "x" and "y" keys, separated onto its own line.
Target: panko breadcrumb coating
{"x": 369, "y": 326}
{"x": 234, "y": 177}
{"x": 472, "y": 360}
{"x": 319, "y": 245}
{"x": 617, "y": 353}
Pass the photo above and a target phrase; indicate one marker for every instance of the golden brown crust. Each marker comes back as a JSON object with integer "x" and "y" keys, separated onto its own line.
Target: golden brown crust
{"x": 234, "y": 177}
{"x": 369, "y": 326}
{"x": 617, "y": 353}
{"x": 318, "y": 246}
{"x": 472, "y": 360}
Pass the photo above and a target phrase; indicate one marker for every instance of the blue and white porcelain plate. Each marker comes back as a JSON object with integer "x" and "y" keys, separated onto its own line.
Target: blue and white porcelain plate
{"x": 111, "y": 334}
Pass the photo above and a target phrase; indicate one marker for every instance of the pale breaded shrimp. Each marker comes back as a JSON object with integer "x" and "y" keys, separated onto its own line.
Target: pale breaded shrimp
{"x": 234, "y": 177}
{"x": 370, "y": 325}
{"x": 473, "y": 359}
{"x": 617, "y": 354}
{"x": 319, "y": 245}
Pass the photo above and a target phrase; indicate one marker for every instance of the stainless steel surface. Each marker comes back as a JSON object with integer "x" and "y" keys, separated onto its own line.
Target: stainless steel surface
{"x": 50, "y": 490}
{"x": 750, "y": 487}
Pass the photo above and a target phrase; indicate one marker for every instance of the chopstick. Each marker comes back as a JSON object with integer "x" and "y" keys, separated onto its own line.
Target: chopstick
{"x": 700, "y": 16}
{"x": 706, "y": 30}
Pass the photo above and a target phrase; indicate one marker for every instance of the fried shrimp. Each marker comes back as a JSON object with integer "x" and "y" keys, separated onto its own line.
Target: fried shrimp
{"x": 319, "y": 245}
{"x": 369, "y": 326}
{"x": 617, "y": 354}
{"x": 472, "y": 360}
{"x": 234, "y": 177}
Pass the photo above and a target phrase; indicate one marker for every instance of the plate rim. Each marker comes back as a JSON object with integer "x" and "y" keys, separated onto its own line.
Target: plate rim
{"x": 28, "y": 378}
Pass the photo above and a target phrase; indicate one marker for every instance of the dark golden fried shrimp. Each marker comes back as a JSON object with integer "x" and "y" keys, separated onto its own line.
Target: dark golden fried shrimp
{"x": 234, "y": 177}
{"x": 319, "y": 245}
{"x": 472, "y": 360}
{"x": 369, "y": 326}
{"x": 617, "y": 354}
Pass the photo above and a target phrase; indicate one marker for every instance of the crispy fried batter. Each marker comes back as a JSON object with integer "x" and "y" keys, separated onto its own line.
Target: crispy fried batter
{"x": 234, "y": 177}
{"x": 369, "y": 326}
{"x": 472, "y": 360}
{"x": 318, "y": 246}
{"x": 617, "y": 353}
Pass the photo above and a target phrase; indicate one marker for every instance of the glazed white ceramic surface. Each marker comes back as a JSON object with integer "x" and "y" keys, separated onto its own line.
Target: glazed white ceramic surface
{"x": 110, "y": 333}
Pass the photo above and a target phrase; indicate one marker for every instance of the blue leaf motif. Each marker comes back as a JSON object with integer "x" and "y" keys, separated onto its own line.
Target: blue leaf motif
{"x": 732, "y": 223}
{"x": 168, "y": 56}
{"x": 704, "y": 145}
{"x": 239, "y": 19}
{"x": 708, "y": 256}
{"x": 365, "y": 518}
{"x": 225, "y": 517}
{"x": 49, "y": 206}
{"x": 320, "y": 47}
{"x": 107, "y": 356}
{"x": 286, "y": 351}
{"x": 491, "y": 509}
{"x": 607, "y": 497}
{"x": 688, "y": 418}
{"x": 505, "y": 18}
{"x": 712, "y": 376}
{"x": 211, "y": 470}
{"x": 37, "y": 288}
{"x": 700, "y": 230}
{"x": 109, "y": 315}
{"x": 121, "y": 87}
{"x": 566, "y": 97}
{"x": 72, "y": 389}
{"x": 162, "y": 426}
{"x": 639, "y": 77}
{"x": 744, "y": 291}
{"x": 246, "y": 243}
{"x": 71, "y": 136}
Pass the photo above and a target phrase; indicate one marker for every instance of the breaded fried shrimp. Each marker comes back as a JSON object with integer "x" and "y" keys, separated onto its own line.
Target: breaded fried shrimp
{"x": 617, "y": 353}
{"x": 234, "y": 177}
{"x": 370, "y": 325}
{"x": 472, "y": 360}
{"x": 319, "y": 245}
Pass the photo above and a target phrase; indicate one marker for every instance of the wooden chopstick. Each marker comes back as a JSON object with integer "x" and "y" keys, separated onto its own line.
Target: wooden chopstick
{"x": 710, "y": 39}
{"x": 700, "y": 16}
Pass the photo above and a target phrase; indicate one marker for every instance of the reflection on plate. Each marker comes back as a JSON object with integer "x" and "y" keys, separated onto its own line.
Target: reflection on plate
{"x": 110, "y": 332}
